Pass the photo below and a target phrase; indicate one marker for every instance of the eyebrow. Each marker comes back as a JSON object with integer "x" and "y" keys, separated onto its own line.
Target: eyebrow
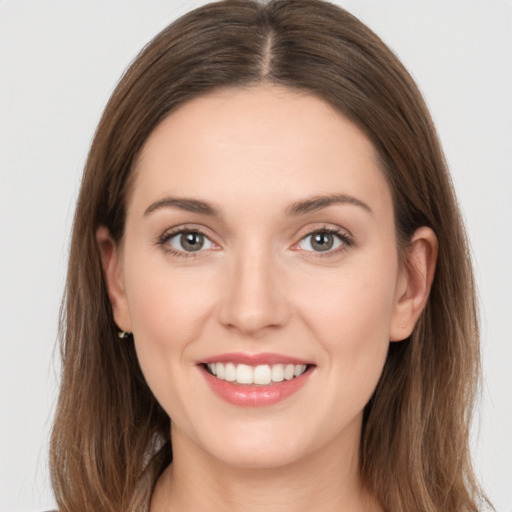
{"x": 295, "y": 209}
{"x": 188, "y": 205}
{"x": 318, "y": 202}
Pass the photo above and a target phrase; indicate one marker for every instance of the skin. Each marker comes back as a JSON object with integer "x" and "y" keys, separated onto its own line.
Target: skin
{"x": 258, "y": 285}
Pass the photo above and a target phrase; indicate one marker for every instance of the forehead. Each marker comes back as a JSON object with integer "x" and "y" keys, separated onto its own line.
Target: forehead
{"x": 262, "y": 145}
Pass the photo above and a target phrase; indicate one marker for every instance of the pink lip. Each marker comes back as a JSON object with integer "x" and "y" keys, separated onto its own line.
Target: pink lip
{"x": 254, "y": 359}
{"x": 244, "y": 395}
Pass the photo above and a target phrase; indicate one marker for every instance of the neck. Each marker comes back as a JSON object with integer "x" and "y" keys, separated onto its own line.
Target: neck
{"x": 325, "y": 481}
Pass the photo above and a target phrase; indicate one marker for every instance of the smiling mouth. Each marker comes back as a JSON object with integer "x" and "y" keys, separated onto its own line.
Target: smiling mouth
{"x": 262, "y": 375}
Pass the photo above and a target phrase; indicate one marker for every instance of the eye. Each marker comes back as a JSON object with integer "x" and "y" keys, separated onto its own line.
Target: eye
{"x": 325, "y": 240}
{"x": 188, "y": 241}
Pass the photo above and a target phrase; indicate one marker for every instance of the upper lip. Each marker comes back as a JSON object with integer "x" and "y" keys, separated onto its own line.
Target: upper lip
{"x": 254, "y": 359}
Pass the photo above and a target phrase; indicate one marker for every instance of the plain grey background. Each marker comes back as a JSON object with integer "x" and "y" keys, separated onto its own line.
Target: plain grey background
{"x": 59, "y": 61}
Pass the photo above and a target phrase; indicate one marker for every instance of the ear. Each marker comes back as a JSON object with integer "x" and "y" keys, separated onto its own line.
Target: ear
{"x": 112, "y": 270}
{"x": 414, "y": 283}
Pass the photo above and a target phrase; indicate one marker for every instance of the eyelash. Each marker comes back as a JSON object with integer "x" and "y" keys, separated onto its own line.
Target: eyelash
{"x": 164, "y": 239}
{"x": 346, "y": 240}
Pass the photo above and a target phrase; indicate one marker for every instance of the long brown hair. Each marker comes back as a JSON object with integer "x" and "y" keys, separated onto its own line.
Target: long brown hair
{"x": 110, "y": 440}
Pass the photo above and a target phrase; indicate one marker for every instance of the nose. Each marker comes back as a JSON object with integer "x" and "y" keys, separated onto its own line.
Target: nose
{"x": 254, "y": 300}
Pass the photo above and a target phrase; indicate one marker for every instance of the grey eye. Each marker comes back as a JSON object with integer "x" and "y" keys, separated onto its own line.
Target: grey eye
{"x": 190, "y": 241}
{"x": 320, "y": 241}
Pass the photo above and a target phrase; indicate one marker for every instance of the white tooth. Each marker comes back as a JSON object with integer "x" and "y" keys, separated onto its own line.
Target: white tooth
{"x": 262, "y": 374}
{"x": 299, "y": 369}
{"x": 289, "y": 371}
{"x": 211, "y": 367}
{"x": 244, "y": 374}
{"x": 220, "y": 369}
{"x": 230, "y": 372}
{"x": 277, "y": 373}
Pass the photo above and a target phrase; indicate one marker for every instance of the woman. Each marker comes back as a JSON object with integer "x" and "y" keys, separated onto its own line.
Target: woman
{"x": 269, "y": 298}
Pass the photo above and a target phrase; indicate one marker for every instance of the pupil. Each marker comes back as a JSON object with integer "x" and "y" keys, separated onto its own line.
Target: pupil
{"x": 322, "y": 241}
{"x": 192, "y": 241}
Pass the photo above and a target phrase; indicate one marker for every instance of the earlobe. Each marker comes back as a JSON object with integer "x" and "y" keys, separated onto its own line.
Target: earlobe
{"x": 112, "y": 271}
{"x": 415, "y": 281}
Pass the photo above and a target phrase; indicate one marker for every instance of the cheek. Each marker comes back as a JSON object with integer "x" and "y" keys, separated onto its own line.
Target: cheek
{"x": 168, "y": 311}
{"x": 166, "y": 304}
{"x": 349, "y": 314}
{"x": 357, "y": 299}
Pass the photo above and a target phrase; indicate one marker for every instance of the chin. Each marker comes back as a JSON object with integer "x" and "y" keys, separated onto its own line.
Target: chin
{"x": 258, "y": 450}
{"x": 259, "y": 458}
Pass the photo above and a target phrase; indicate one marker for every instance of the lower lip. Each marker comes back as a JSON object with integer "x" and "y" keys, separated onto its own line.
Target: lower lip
{"x": 245, "y": 395}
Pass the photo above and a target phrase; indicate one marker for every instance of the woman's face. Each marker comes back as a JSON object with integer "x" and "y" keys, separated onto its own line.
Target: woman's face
{"x": 260, "y": 241}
